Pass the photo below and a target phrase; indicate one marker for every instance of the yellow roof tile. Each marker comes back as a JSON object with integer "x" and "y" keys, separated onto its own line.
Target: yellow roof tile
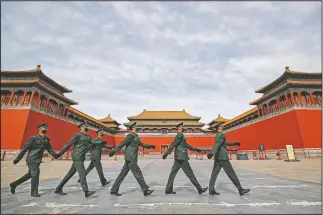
{"x": 284, "y": 85}
{"x": 38, "y": 69}
{"x": 249, "y": 112}
{"x": 165, "y": 124}
{"x": 73, "y": 110}
{"x": 164, "y": 115}
{"x": 287, "y": 71}
{"x": 109, "y": 119}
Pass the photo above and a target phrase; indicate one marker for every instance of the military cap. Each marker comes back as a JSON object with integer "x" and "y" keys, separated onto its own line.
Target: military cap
{"x": 43, "y": 126}
{"x": 100, "y": 131}
{"x": 82, "y": 125}
{"x": 132, "y": 125}
{"x": 181, "y": 124}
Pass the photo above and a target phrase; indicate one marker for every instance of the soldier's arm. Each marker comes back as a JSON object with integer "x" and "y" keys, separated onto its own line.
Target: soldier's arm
{"x": 50, "y": 149}
{"x": 192, "y": 148}
{"x": 124, "y": 142}
{"x": 175, "y": 143}
{"x": 147, "y": 146}
{"x": 232, "y": 143}
{"x": 69, "y": 144}
{"x": 103, "y": 144}
{"x": 23, "y": 151}
{"x": 218, "y": 143}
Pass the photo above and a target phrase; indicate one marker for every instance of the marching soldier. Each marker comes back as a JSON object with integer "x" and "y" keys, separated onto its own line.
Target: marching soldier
{"x": 96, "y": 157}
{"x": 132, "y": 142}
{"x": 35, "y": 147}
{"x": 222, "y": 160}
{"x": 181, "y": 161}
{"x": 81, "y": 142}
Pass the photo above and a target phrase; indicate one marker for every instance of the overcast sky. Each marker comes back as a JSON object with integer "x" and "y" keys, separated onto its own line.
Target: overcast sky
{"x": 120, "y": 58}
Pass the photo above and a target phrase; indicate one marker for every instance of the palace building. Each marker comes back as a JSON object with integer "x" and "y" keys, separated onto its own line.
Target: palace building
{"x": 288, "y": 112}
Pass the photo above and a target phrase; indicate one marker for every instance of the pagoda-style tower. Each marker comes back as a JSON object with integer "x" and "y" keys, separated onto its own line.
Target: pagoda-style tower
{"x": 165, "y": 122}
{"x": 29, "y": 98}
{"x": 289, "y": 112}
{"x": 33, "y": 89}
{"x": 298, "y": 89}
{"x": 111, "y": 123}
{"x": 216, "y": 122}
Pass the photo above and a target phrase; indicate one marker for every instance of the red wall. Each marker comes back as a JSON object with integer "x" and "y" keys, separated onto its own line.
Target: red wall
{"x": 310, "y": 125}
{"x": 301, "y": 128}
{"x": 59, "y": 131}
{"x": 13, "y": 124}
{"x": 277, "y": 132}
{"x": 206, "y": 141}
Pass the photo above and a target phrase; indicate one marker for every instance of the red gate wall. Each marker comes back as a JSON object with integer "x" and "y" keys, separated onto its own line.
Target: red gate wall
{"x": 301, "y": 128}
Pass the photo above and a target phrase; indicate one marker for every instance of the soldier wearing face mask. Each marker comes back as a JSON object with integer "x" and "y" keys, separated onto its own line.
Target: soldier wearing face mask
{"x": 35, "y": 147}
{"x": 81, "y": 142}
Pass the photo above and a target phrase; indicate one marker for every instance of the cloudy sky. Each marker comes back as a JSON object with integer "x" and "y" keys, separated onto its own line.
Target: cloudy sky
{"x": 120, "y": 58}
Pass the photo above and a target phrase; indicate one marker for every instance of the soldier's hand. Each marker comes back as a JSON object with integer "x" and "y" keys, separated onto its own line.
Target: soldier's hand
{"x": 198, "y": 150}
{"x": 165, "y": 156}
{"x": 15, "y": 162}
{"x": 111, "y": 153}
{"x": 152, "y": 146}
{"x": 210, "y": 155}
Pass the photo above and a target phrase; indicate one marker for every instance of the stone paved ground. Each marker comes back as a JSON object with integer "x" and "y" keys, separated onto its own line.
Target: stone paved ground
{"x": 293, "y": 192}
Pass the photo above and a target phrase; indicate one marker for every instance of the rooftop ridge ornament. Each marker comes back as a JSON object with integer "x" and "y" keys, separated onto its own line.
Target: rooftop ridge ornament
{"x": 287, "y": 69}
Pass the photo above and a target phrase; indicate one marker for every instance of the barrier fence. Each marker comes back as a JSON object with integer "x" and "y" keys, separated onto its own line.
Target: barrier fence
{"x": 277, "y": 154}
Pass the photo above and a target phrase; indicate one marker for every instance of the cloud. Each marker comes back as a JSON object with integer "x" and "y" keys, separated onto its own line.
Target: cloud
{"x": 122, "y": 57}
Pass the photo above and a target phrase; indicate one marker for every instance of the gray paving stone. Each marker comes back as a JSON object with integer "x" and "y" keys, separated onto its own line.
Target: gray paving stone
{"x": 269, "y": 194}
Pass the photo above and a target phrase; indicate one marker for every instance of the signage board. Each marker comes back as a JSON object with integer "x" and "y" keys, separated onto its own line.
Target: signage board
{"x": 290, "y": 152}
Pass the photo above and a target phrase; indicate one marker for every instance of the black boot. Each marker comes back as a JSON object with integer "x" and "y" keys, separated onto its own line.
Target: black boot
{"x": 213, "y": 192}
{"x": 35, "y": 195}
{"x": 60, "y": 192}
{"x": 89, "y": 193}
{"x": 171, "y": 192}
{"x": 203, "y": 190}
{"x": 12, "y": 189}
{"x": 243, "y": 191}
{"x": 105, "y": 183}
{"x": 115, "y": 193}
{"x": 148, "y": 192}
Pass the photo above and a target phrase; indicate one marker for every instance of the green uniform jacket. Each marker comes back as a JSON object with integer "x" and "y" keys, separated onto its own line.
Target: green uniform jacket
{"x": 35, "y": 147}
{"x": 81, "y": 142}
{"x": 220, "y": 147}
{"x": 132, "y": 143}
{"x": 96, "y": 147}
{"x": 181, "y": 147}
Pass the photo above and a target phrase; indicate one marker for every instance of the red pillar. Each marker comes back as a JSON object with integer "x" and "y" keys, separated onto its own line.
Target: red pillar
{"x": 292, "y": 96}
{"x": 38, "y": 100}
{"x": 11, "y": 96}
{"x": 47, "y": 102}
{"x": 31, "y": 97}
{"x": 299, "y": 97}
{"x": 23, "y": 98}
{"x": 312, "y": 99}
{"x": 287, "y": 100}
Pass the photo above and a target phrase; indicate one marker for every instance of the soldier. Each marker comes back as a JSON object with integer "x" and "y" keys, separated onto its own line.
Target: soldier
{"x": 81, "y": 142}
{"x": 132, "y": 142}
{"x": 222, "y": 160}
{"x": 181, "y": 161}
{"x": 96, "y": 158}
{"x": 35, "y": 147}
